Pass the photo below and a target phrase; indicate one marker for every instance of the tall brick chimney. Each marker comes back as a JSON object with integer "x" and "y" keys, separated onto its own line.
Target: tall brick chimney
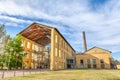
{"x": 84, "y": 41}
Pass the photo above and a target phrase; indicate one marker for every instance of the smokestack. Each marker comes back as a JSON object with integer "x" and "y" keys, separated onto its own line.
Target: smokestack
{"x": 84, "y": 40}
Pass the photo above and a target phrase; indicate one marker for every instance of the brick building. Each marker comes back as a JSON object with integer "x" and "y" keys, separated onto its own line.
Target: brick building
{"x": 47, "y": 48}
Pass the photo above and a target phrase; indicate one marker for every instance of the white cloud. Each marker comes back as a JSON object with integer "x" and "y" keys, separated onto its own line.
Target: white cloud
{"x": 101, "y": 26}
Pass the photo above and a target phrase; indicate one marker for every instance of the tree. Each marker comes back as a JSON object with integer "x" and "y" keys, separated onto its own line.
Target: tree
{"x": 2, "y": 31}
{"x": 14, "y": 52}
{"x": 5, "y": 40}
{"x": 2, "y": 61}
{"x": 2, "y": 35}
{"x": 116, "y": 62}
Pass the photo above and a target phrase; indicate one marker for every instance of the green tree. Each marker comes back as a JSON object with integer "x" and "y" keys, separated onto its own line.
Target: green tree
{"x": 116, "y": 62}
{"x": 2, "y": 61}
{"x": 14, "y": 52}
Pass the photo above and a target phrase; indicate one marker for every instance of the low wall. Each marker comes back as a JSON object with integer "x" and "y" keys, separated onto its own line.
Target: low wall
{"x": 118, "y": 66}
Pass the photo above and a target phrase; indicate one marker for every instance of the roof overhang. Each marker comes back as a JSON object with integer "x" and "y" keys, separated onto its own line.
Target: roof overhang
{"x": 38, "y": 33}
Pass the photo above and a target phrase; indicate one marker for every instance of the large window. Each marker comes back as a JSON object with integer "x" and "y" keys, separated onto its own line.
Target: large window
{"x": 28, "y": 44}
{"x": 102, "y": 66}
{"x": 64, "y": 55}
{"x": 22, "y": 43}
{"x": 59, "y": 53}
{"x": 81, "y": 62}
{"x": 34, "y": 56}
{"x": 32, "y": 46}
{"x": 56, "y": 38}
{"x": 27, "y": 54}
{"x": 36, "y": 48}
{"x": 102, "y": 63}
{"x": 69, "y": 61}
{"x": 88, "y": 63}
{"x": 56, "y": 52}
{"x": 94, "y": 63}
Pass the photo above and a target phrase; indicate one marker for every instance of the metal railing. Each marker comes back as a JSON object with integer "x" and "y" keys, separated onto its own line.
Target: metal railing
{"x": 13, "y": 73}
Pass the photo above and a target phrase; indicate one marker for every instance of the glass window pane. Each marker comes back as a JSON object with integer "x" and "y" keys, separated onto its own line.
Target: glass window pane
{"x": 88, "y": 61}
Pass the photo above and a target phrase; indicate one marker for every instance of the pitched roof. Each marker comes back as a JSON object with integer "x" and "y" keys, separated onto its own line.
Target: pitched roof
{"x": 99, "y": 48}
{"x": 37, "y": 32}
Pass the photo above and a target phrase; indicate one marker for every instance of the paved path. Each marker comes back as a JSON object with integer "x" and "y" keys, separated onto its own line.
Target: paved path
{"x": 13, "y": 73}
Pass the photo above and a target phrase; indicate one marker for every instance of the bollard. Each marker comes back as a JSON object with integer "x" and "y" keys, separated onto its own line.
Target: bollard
{"x": 23, "y": 72}
{"x": 14, "y": 73}
{"x": 30, "y": 71}
{"x": 3, "y": 74}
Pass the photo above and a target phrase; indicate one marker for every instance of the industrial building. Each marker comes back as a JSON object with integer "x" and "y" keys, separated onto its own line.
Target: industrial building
{"x": 94, "y": 58}
{"x": 46, "y": 48}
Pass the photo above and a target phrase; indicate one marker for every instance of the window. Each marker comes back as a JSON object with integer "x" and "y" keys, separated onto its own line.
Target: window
{"x": 36, "y": 48}
{"x": 32, "y": 46}
{"x": 56, "y": 38}
{"x": 94, "y": 66}
{"x": 64, "y": 55}
{"x": 27, "y": 55}
{"x": 95, "y": 51}
{"x": 65, "y": 46}
{"x": 28, "y": 44}
{"x": 22, "y": 43}
{"x": 81, "y": 64}
{"x": 81, "y": 61}
{"x": 101, "y": 61}
{"x": 94, "y": 61}
{"x": 34, "y": 56}
{"x": 89, "y": 65}
{"x": 56, "y": 52}
{"x": 71, "y": 61}
{"x": 102, "y": 66}
{"x": 59, "y": 53}
{"x": 88, "y": 61}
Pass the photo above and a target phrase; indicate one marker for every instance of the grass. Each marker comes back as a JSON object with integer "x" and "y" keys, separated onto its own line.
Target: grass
{"x": 78, "y": 74}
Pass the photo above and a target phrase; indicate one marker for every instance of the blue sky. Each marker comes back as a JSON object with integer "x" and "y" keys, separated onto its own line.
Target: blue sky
{"x": 100, "y": 19}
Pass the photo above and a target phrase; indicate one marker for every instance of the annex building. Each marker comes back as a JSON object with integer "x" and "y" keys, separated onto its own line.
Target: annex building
{"x": 46, "y": 48}
{"x": 94, "y": 58}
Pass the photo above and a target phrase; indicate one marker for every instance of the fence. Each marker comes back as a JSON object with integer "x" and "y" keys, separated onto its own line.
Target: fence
{"x": 13, "y": 73}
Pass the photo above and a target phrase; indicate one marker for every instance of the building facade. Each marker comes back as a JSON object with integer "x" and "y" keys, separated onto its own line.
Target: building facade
{"x": 94, "y": 58}
{"x": 46, "y": 48}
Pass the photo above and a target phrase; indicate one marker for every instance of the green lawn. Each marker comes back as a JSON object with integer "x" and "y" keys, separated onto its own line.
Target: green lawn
{"x": 78, "y": 74}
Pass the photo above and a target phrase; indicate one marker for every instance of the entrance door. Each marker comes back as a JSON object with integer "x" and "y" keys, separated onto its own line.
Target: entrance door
{"x": 81, "y": 64}
{"x": 68, "y": 65}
